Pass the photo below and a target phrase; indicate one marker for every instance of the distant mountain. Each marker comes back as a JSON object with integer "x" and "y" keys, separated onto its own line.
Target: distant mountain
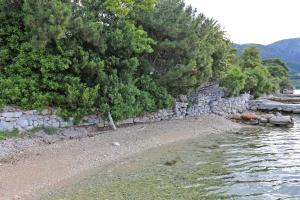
{"x": 287, "y": 50}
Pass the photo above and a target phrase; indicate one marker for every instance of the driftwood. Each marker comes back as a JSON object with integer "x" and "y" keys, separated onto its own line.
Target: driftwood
{"x": 111, "y": 121}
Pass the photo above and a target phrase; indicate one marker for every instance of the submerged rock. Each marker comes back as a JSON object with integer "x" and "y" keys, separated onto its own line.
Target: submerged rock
{"x": 171, "y": 162}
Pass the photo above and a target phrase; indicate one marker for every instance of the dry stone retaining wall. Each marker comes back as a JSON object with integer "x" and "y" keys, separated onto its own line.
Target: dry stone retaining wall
{"x": 202, "y": 101}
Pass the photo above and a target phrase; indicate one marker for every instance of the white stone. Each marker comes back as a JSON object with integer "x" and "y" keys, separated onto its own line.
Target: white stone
{"x": 281, "y": 120}
{"x": 7, "y": 126}
{"x": 22, "y": 122}
{"x": 117, "y": 144}
{"x": 12, "y": 114}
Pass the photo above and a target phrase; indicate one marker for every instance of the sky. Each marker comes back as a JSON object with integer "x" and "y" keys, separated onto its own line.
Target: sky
{"x": 254, "y": 21}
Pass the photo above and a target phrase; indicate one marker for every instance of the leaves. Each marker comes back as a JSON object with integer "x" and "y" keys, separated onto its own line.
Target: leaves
{"x": 81, "y": 58}
{"x": 189, "y": 50}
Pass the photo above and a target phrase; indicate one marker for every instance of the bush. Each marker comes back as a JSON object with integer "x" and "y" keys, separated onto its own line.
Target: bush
{"x": 259, "y": 81}
{"x": 233, "y": 81}
{"x": 64, "y": 55}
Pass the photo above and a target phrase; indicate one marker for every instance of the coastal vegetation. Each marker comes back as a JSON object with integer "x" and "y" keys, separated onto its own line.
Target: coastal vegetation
{"x": 252, "y": 74}
{"x": 119, "y": 58}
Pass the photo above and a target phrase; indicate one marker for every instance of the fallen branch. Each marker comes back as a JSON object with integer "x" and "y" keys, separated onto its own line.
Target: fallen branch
{"x": 111, "y": 121}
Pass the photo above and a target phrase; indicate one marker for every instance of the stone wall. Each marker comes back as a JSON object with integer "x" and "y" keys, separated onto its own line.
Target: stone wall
{"x": 202, "y": 101}
{"x": 211, "y": 99}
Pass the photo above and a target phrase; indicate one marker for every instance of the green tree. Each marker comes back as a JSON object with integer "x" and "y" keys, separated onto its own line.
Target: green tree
{"x": 189, "y": 50}
{"x": 79, "y": 56}
{"x": 279, "y": 72}
{"x": 234, "y": 81}
{"x": 251, "y": 57}
{"x": 258, "y": 81}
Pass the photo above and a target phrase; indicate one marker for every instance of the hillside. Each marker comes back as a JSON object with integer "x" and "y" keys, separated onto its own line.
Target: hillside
{"x": 287, "y": 50}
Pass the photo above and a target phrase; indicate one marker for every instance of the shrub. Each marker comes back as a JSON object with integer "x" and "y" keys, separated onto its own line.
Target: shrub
{"x": 234, "y": 81}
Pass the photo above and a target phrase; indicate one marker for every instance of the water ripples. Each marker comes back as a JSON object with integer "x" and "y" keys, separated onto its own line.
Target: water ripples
{"x": 253, "y": 164}
{"x": 260, "y": 166}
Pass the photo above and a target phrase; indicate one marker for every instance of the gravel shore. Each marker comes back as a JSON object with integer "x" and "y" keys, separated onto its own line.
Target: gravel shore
{"x": 43, "y": 168}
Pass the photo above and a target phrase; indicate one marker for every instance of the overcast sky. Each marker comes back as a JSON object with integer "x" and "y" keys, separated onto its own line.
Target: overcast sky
{"x": 254, "y": 21}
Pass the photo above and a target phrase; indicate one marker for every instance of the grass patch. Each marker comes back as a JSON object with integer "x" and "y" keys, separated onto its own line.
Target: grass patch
{"x": 50, "y": 130}
{"x": 30, "y": 133}
{"x": 9, "y": 134}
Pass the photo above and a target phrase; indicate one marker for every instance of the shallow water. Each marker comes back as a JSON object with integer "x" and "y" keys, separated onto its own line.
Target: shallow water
{"x": 258, "y": 164}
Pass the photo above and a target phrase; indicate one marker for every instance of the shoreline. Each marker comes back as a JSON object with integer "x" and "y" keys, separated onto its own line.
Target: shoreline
{"x": 43, "y": 168}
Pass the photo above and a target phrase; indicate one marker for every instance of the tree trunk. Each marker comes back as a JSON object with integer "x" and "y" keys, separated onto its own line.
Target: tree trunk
{"x": 111, "y": 121}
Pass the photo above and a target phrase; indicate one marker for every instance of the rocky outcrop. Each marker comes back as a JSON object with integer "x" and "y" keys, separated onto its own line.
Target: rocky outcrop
{"x": 268, "y": 105}
{"x": 251, "y": 118}
{"x": 281, "y": 120}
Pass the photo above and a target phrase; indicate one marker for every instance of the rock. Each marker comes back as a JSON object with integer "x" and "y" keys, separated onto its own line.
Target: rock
{"x": 124, "y": 122}
{"x": 117, "y": 144}
{"x": 252, "y": 122}
{"x": 12, "y": 114}
{"x": 236, "y": 117}
{"x": 281, "y": 120}
{"x": 74, "y": 133}
{"x": 268, "y": 116}
{"x": 263, "y": 120}
{"x": 101, "y": 125}
{"x": 47, "y": 139}
{"x": 183, "y": 98}
{"x": 171, "y": 162}
{"x": 46, "y": 112}
{"x": 248, "y": 116}
{"x": 144, "y": 119}
{"x": 7, "y": 126}
{"x": 65, "y": 124}
{"x": 22, "y": 122}
{"x": 253, "y": 108}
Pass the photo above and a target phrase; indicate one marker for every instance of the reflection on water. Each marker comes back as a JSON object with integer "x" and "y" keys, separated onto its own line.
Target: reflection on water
{"x": 253, "y": 164}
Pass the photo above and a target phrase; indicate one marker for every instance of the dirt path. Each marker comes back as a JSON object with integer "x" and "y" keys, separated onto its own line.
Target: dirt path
{"x": 43, "y": 168}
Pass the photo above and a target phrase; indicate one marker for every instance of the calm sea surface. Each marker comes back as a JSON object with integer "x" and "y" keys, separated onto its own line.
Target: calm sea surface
{"x": 255, "y": 163}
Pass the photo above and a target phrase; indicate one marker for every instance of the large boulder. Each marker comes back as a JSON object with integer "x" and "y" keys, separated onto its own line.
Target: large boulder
{"x": 281, "y": 120}
{"x": 249, "y": 116}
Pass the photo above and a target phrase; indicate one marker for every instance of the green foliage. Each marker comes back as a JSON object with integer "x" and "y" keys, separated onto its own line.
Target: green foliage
{"x": 255, "y": 76}
{"x": 259, "y": 81}
{"x": 190, "y": 49}
{"x": 158, "y": 93}
{"x": 46, "y": 21}
{"x": 8, "y": 134}
{"x": 64, "y": 54}
{"x": 251, "y": 57}
{"x": 50, "y": 130}
{"x": 280, "y": 72}
{"x": 123, "y": 57}
{"x": 234, "y": 81}
{"x": 47, "y": 129}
